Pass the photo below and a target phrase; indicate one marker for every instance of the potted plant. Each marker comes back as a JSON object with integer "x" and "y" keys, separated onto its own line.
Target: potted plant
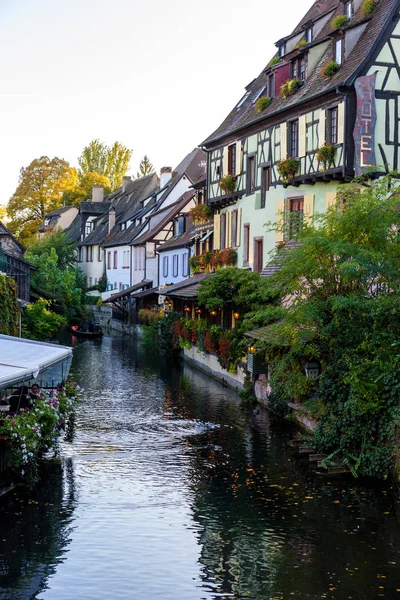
{"x": 287, "y": 168}
{"x": 262, "y": 103}
{"x": 227, "y": 184}
{"x": 290, "y": 87}
{"x": 326, "y": 155}
{"x": 339, "y": 21}
{"x": 195, "y": 263}
{"x": 205, "y": 261}
{"x": 330, "y": 69}
{"x": 368, "y": 7}
{"x": 217, "y": 259}
{"x": 202, "y": 213}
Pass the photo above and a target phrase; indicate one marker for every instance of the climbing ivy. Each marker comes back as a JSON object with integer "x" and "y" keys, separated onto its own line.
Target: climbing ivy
{"x": 8, "y": 306}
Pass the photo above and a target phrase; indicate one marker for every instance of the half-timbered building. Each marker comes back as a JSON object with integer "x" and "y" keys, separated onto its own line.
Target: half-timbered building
{"x": 325, "y": 109}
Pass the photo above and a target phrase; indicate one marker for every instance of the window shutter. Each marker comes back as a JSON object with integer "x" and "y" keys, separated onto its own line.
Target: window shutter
{"x": 340, "y": 133}
{"x": 330, "y": 199}
{"x": 228, "y": 242}
{"x": 309, "y": 207}
{"x": 217, "y": 232}
{"x": 283, "y": 141}
{"x": 239, "y": 225}
{"x": 322, "y": 128}
{"x": 225, "y": 161}
{"x": 302, "y": 135}
{"x": 280, "y": 210}
{"x": 239, "y": 156}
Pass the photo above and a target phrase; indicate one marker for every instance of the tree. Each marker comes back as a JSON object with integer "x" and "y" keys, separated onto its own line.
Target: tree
{"x": 111, "y": 161}
{"x": 83, "y": 190}
{"x": 40, "y": 190}
{"x": 3, "y": 212}
{"x": 342, "y": 290}
{"x": 64, "y": 247}
{"x": 145, "y": 167}
{"x": 39, "y": 322}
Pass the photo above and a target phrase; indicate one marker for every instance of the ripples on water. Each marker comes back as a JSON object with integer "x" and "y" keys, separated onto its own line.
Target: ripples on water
{"x": 169, "y": 490}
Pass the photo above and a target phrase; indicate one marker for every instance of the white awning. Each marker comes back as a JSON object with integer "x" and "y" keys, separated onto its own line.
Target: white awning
{"x": 22, "y": 359}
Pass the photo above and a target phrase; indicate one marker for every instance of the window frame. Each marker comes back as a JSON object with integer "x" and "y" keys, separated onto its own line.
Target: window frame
{"x": 293, "y": 127}
{"x": 338, "y": 55}
{"x": 109, "y": 259}
{"x": 332, "y": 125}
{"x": 115, "y": 259}
{"x": 251, "y": 174}
{"x": 265, "y": 184}
{"x": 246, "y": 243}
{"x": 232, "y": 159}
{"x": 165, "y": 266}
{"x": 295, "y": 224}
{"x": 175, "y": 265}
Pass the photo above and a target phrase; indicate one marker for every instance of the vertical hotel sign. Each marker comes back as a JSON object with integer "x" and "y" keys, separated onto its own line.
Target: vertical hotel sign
{"x": 364, "y": 128}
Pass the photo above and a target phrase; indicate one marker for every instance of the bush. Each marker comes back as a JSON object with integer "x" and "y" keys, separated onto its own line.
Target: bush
{"x": 300, "y": 44}
{"x": 290, "y": 87}
{"x": 262, "y": 103}
{"x": 39, "y": 323}
{"x": 330, "y": 69}
{"x": 339, "y": 21}
{"x": 9, "y": 306}
{"x": 368, "y": 7}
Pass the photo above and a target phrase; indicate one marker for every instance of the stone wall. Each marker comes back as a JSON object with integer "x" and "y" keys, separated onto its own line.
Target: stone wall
{"x": 209, "y": 364}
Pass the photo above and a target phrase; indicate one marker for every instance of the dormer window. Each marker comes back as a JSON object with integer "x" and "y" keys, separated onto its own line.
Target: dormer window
{"x": 309, "y": 35}
{"x": 243, "y": 100}
{"x": 339, "y": 51}
{"x": 298, "y": 69}
{"x": 281, "y": 50}
{"x": 271, "y": 86}
{"x": 348, "y": 9}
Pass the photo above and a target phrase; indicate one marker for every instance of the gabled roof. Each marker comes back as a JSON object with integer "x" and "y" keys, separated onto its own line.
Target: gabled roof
{"x": 316, "y": 85}
{"x": 124, "y": 202}
{"x": 171, "y": 211}
{"x": 4, "y": 231}
{"x": 74, "y": 230}
{"x": 275, "y": 264}
{"x": 58, "y": 212}
{"x": 187, "y": 288}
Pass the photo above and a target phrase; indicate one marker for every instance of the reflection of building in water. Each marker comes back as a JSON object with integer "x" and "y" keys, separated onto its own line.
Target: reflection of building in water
{"x": 35, "y": 532}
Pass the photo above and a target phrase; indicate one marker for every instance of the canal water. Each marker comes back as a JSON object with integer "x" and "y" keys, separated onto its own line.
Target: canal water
{"x": 168, "y": 489}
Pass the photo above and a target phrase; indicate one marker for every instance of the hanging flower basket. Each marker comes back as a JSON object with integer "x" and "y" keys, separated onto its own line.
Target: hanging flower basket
{"x": 202, "y": 213}
{"x": 326, "y": 155}
{"x": 287, "y": 168}
{"x": 227, "y": 184}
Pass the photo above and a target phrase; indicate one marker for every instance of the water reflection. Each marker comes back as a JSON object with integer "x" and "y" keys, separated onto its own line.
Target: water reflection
{"x": 35, "y": 532}
{"x": 169, "y": 489}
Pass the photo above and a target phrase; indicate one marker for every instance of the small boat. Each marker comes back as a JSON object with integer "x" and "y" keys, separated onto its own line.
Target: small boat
{"x": 92, "y": 330}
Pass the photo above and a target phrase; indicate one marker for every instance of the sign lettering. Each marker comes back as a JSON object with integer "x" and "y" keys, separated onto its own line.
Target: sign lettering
{"x": 364, "y": 128}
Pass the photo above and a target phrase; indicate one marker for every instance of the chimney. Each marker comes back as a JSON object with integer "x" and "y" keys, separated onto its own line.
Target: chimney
{"x": 97, "y": 193}
{"x": 165, "y": 176}
{"x": 125, "y": 182}
{"x": 111, "y": 218}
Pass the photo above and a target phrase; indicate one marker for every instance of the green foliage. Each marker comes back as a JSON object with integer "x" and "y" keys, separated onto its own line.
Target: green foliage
{"x": 159, "y": 331}
{"x": 262, "y": 103}
{"x": 35, "y": 430}
{"x": 330, "y": 69}
{"x": 111, "y": 161}
{"x": 84, "y": 188}
{"x": 64, "y": 248}
{"x": 40, "y": 190}
{"x": 326, "y": 155}
{"x": 145, "y": 167}
{"x": 303, "y": 42}
{"x": 8, "y": 306}
{"x": 343, "y": 282}
{"x": 65, "y": 285}
{"x": 290, "y": 87}
{"x": 40, "y": 323}
{"x": 274, "y": 61}
{"x": 368, "y": 7}
{"x": 227, "y": 184}
{"x": 339, "y": 21}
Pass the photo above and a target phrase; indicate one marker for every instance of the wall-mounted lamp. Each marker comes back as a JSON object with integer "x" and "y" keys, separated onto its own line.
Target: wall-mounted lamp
{"x": 311, "y": 369}
{"x": 236, "y": 315}
{"x": 251, "y": 349}
{"x": 186, "y": 308}
{"x": 213, "y": 313}
{"x": 198, "y": 310}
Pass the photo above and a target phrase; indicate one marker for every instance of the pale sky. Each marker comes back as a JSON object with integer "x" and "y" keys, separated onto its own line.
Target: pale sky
{"x": 158, "y": 76}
